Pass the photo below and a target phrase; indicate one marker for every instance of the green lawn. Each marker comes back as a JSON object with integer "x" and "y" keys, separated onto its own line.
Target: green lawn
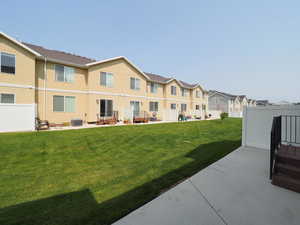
{"x": 96, "y": 176}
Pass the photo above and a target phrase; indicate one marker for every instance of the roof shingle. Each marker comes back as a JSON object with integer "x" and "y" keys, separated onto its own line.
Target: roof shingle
{"x": 59, "y": 55}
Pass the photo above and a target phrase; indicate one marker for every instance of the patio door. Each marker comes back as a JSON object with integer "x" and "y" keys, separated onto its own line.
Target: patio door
{"x": 106, "y": 107}
{"x": 135, "y": 108}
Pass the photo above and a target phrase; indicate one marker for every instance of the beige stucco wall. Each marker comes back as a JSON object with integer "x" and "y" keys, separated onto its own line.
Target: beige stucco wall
{"x": 24, "y": 75}
{"x": 40, "y": 88}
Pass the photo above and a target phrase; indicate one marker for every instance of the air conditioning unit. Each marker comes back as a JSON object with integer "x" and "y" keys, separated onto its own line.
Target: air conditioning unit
{"x": 76, "y": 122}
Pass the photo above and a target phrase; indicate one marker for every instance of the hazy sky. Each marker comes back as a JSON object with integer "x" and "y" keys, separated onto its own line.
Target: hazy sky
{"x": 241, "y": 47}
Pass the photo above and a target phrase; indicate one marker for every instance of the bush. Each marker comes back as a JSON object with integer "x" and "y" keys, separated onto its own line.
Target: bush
{"x": 223, "y": 115}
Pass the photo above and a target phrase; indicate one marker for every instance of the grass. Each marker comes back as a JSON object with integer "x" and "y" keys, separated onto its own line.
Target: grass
{"x": 96, "y": 176}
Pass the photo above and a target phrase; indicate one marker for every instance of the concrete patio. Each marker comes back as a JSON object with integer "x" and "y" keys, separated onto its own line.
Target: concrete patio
{"x": 233, "y": 191}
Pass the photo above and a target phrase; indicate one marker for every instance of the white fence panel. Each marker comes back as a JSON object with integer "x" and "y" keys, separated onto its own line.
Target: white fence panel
{"x": 215, "y": 114}
{"x": 257, "y": 123}
{"x": 17, "y": 117}
{"x": 170, "y": 115}
{"x": 236, "y": 114}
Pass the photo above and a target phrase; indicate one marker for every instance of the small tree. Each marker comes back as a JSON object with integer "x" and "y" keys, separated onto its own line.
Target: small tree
{"x": 223, "y": 115}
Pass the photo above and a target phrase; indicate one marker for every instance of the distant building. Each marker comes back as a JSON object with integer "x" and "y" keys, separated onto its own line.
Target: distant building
{"x": 262, "y": 102}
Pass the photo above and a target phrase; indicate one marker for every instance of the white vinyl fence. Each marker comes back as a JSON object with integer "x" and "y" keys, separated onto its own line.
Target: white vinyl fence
{"x": 257, "y": 124}
{"x": 17, "y": 117}
{"x": 236, "y": 114}
{"x": 215, "y": 114}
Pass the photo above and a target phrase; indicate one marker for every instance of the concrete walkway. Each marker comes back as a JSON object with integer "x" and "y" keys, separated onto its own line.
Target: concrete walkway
{"x": 233, "y": 191}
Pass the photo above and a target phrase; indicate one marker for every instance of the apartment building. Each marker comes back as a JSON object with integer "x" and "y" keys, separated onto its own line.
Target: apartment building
{"x": 231, "y": 104}
{"x": 65, "y": 86}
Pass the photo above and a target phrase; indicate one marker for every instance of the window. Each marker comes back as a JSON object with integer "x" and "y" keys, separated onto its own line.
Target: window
{"x": 153, "y": 106}
{"x": 106, "y": 107}
{"x": 106, "y": 79}
{"x": 63, "y": 103}
{"x": 8, "y": 63}
{"x": 197, "y": 94}
{"x": 64, "y": 73}
{"x": 154, "y": 87}
{"x": 184, "y": 92}
{"x": 7, "y": 98}
{"x": 183, "y": 107}
{"x": 134, "y": 83}
{"x": 197, "y": 107}
{"x": 173, "y": 90}
{"x": 173, "y": 106}
{"x": 203, "y": 107}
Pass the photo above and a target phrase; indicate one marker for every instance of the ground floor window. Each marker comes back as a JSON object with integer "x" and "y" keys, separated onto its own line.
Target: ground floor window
{"x": 203, "y": 107}
{"x": 106, "y": 107}
{"x": 197, "y": 107}
{"x": 183, "y": 107}
{"x": 173, "y": 106}
{"x": 153, "y": 106}
{"x": 63, "y": 103}
{"x": 7, "y": 98}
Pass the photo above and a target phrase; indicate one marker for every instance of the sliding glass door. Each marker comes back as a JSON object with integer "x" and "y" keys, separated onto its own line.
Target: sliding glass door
{"x": 106, "y": 107}
{"x": 135, "y": 108}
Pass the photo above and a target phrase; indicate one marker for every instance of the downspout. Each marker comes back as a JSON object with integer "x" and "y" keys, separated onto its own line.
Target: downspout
{"x": 45, "y": 85}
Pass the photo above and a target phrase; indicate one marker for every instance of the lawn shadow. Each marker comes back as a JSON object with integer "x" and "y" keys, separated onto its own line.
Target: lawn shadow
{"x": 81, "y": 207}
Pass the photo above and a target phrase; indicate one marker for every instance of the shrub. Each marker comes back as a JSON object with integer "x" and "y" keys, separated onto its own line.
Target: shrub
{"x": 223, "y": 115}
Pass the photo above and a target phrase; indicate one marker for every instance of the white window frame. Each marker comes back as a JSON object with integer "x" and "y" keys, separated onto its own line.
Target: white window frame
{"x": 107, "y": 73}
{"x": 73, "y": 80}
{"x": 135, "y": 82}
{"x": 182, "y": 107}
{"x": 15, "y": 62}
{"x": 155, "y": 87}
{"x": 184, "y": 92}
{"x": 175, "y": 88}
{"x": 155, "y": 110}
{"x": 197, "y": 94}
{"x": 64, "y": 104}
{"x": 198, "y": 107}
{"x": 8, "y": 94}
{"x": 173, "y": 104}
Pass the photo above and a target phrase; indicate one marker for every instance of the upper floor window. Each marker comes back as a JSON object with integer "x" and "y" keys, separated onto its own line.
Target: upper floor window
{"x": 197, "y": 107}
{"x": 184, "y": 92}
{"x": 134, "y": 83}
{"x": 153, "y": 106}
{"x": 154, "y": 87}
{"x": 106, "y": 79}
{"x": 64, "y": 73}
{"x": 173, "y": 106}
{"x": 7, "y": 98}
{"x": 197, "y": 94}
{"x": 63, "y": 103}
{"x": 173, "y": 90}
{"x": 8, "y": 63}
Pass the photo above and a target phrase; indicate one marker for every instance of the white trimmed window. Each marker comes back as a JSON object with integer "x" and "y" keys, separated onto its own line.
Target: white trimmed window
{"x": 183, "y": 107}
{"x": 153, "y": 106}
{"x": 134, "y": 83}
{"x": 64, "y": 73}
{"x": 173, "y": 106}
{"x": 154, "y": 87}
{"x": 7, "y": 63}
{"x": 173, "y": 90}
{"x": 63, "y": 103}
{"x": 106, "y": 79}
{"x": 7, "y": 98}
{"x": 184, "y": 92}
{"x": 197, "y": 94}
{"x": 197, "y": 107}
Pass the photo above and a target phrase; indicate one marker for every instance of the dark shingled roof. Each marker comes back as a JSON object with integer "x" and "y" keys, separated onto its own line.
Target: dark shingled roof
{"x": 59, "y": 55}
{"x": 223, "y": 93}
{"x": 162, "y": 79}
{"x": 187, "y": 85}
{"x": 157, "y": 78}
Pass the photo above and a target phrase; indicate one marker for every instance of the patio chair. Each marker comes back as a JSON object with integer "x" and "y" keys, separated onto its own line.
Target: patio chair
{"x": 41, "y": 124}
